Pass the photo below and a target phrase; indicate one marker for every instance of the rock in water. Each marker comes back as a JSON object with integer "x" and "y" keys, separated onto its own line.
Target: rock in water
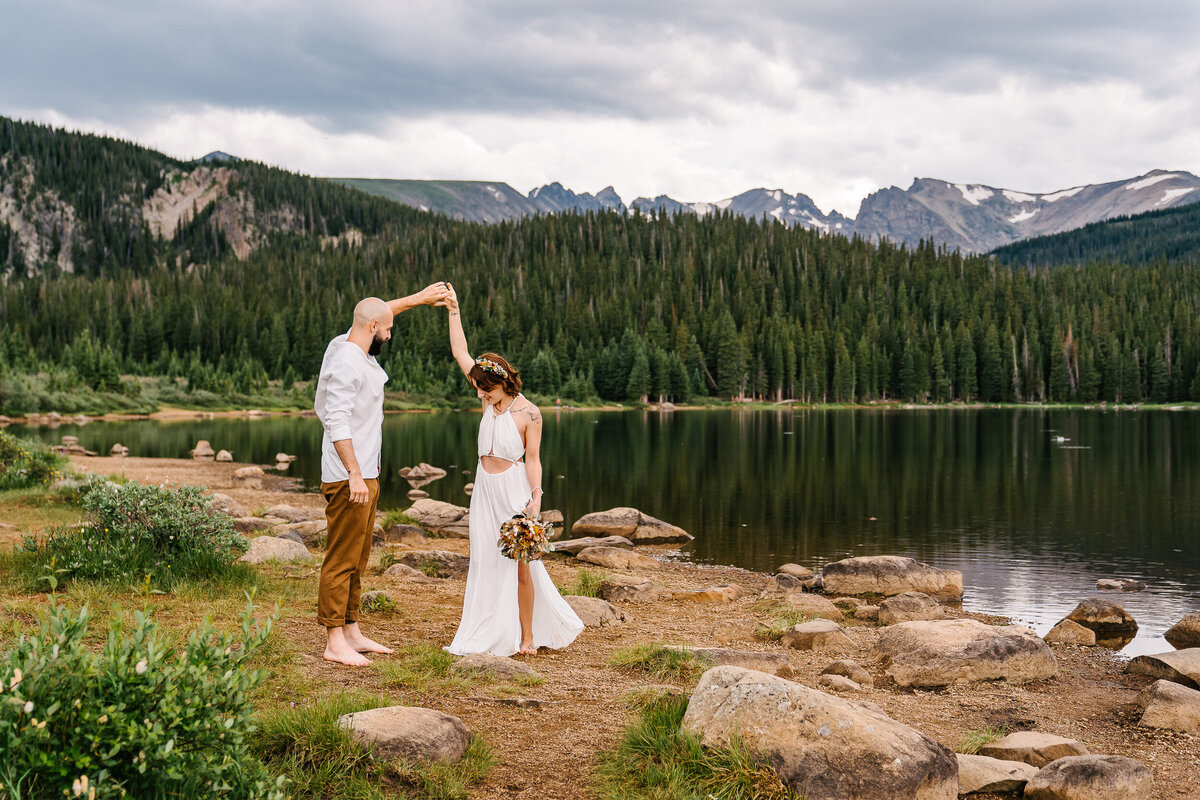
{"x": 1071, "y": 632}
{"x": 635, "y": 526}
{"x": 940, "y": 653}
{"x": 993, "y": 775}
{"x": 224, "y": 456}
{"x": 272, "y": 548}
{"x": 1179, "y": 666}
{"x": 825, "y": 747}
{"x": 444, "y": 518}
{"x": 1033, "y": 748}
{"x": 1113, "y": 625}
{"x": 795, "y": 570}
{"x": 1092, "y": 778}
{"x": 1166, "y": 704}
{"x": 414, "y": 734}
{"x": 891, "y": 575}
{"x": 203, "y": 451}
{"x": 1185, "y": 633}
{"x": 909, "y": 607}
{"x": 594, "y": 612}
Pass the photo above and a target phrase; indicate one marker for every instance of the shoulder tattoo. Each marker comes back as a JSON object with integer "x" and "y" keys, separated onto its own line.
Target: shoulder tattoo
{"x": 535, "y": 416}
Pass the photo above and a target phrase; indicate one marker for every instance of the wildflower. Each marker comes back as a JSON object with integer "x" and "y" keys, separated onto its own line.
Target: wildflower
{"x": 28, "y": 706}
{"x": 17, "y": 677}
{"x": 80, "y": 785}
{"x": 103, "y": 719}
{"x": 141, "y": 667}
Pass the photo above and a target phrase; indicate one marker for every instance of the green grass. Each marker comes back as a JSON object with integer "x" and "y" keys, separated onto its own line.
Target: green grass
{"x": 973, "y": 740}
{"x": 660, "y": 662}
{"x": 587, "y": 583}
{"x": 397, "y": 517}
{"x": 423, "y": 668}
{"x": 656, "y": 759}
{"x": 319, "y": 760}
{"x": 785, "y": 617}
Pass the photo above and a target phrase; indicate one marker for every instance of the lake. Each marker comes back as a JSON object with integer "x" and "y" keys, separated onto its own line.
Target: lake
{"x": 1032, "y": 522}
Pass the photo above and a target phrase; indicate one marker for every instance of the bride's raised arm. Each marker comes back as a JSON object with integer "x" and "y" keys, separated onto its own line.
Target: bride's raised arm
{"x": 458, "y": 339}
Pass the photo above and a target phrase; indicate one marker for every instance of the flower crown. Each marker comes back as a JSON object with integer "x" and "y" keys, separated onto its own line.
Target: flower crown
{"x": 487, "y": 365}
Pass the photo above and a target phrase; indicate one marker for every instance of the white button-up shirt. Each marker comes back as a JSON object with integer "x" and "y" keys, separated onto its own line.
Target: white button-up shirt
{"x": 349, "y": 404}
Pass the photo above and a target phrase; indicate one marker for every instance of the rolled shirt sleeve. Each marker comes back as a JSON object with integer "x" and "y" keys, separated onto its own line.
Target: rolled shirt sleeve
{"x": 341, "y": 389}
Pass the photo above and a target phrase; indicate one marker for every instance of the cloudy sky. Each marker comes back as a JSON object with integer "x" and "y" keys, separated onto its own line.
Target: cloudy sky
{"x": 699, "y": 100}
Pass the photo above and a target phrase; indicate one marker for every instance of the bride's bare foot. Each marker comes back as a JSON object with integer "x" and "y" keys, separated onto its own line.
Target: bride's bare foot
{"x": 339, "y": 650}
{"x": 528, "y": 648}
{"x": 362, "y": 644}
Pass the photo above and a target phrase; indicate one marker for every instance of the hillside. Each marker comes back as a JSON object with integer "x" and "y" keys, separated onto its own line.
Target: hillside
{"x": 1171, "y": 236}
{"x": 78, "y": 203}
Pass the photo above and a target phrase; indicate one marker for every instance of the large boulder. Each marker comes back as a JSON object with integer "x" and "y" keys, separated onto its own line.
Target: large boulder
{"x": 992, "y": 775}
{"x": 1179, "y": 666}
{"x": 293, "y": 514}
{"x": 594, "y": 612}
{"x": 814, "y": 605}
{"x": 891, "y": 575}
{"x": 1033, "y": 748}
{"x": 272, "y": 548}
{"x": 444, "y": 518}
{"x": 245, "y": 525}
{"x": 774, "y": 663}
{"x": 408, "y": 732}
{"x": 909, "y": 607}
{"x": 631, "y": 589}
{"x": 310, "y": 532}
{"x": 635, "y": 526}
{"x": 1166, "y": 704}
{"x": 617, "y": 558}
{"x": 575, "y": 546}
{"x": 714, "y": 594}
{"x": 940, "y": 653}
{"x": 824, "y": 747}
{"x": 227, "y": 505}
{"x": 440, "y": 563}
{"x": 1185, "y": 633}
{"x": 1113, "y": 625}
{"x": 1092, "y": 778}
{"x": 820, "y": 634}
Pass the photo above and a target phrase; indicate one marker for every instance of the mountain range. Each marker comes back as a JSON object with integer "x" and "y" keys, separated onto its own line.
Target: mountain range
{"x": 967, "y": 217}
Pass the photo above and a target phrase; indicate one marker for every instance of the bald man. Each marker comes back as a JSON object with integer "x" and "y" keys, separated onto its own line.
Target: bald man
{"x": 349, "y": 404}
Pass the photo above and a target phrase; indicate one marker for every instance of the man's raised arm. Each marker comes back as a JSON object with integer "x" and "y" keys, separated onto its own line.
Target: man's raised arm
{"x": 434, "y": 294}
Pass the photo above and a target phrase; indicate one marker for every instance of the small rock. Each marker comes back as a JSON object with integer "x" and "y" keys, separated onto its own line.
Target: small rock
{"x": 909, "y": 607}
{"x": 814, "y": 584}
{"x": 499, "y": 666}
{"x": 617, "y": 558}
{"x": 202, "y": 451}
{"x": 553, "y": 516}
{"x": 284, "y": 458}
{"x": 406, "y": 534}
{"x": 595, "y": 612}
{"x": 311, "y": 533}
{"x": 867, "y": 613}
{"x": 819, "y": 634}
{"x": 469, "y": 489}
{"x": 1185, "y": 633}
{"x": 226, "y": 505}
{"x": 1179, "y": 666}
{"x": 119, "y": 449}
{"x": 1071, "y": 632}
{"x": 850, "y": 669}
{"x": 407, "y": 732}
{"x": 746, "y": 659}
{"x": 293, "y": 514}
{"x": 373, "y": 597}
{"x": 224, "y": 456}
{"x": 1090, "y": 777}
{"x": 405, "y": 572}
{"x": 272, "y": 548}
{"x": 1166, "y": 704}
{"x": 575, "y": 546}
{"x": 787, "y": 582}
{"x": 838, "y": 683}
{"x": 631, "y": 589}
{"x": 1108, "y": 585}
{"x": 424, "y": 472}
{"x": 795, "y": 570}
{"x": 251, "y": 524}
{"x": 814, "y": 605}
{"x": 1109, "y": 621}
{"x": 1032, "y": 747}
{"x": 248, "y": 477}
{"x": 445, "y": 564}
{"x": 290, "y": 535}
{"x": 418, "y": 494}
{"x": 70, "y": 441}
{"x": 993, "y": 775}
{"x": 714, "y": 594}
{"x": 847, "y": 604}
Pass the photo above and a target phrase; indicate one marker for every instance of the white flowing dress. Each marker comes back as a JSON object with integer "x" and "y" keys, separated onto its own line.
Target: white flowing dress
{"x": 490, "y": 620}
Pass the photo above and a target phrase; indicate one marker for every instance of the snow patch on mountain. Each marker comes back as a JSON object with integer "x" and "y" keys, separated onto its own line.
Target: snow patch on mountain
{"x": 1019, "y": 197}
{"x": 1024, "y": 215}
{"x": 1050, "y": 198}
{"x": 1171, "y": 194}
{"x": 973, "y": 194}
{"x": 1151, "y": 180}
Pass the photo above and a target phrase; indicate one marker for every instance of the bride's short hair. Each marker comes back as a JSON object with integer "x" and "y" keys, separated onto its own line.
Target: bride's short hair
{"x": 491, "y": 370}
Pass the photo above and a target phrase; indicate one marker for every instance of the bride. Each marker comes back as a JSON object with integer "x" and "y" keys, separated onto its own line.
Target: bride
{"x": 509, "y": 606}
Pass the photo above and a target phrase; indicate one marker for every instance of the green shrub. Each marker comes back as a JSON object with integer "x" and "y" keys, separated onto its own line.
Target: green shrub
{"x": 656, "y": 758}
{"x": 138, "y": 719}
{"x": 25, "y": 464}
{"x": 587, "y": 583}
{"x": 660, "y": 662}
{"x": 138, "y": 530}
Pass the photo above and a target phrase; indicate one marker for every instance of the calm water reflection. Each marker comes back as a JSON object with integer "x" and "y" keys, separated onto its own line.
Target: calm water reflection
{"x": 1031, "y": 522}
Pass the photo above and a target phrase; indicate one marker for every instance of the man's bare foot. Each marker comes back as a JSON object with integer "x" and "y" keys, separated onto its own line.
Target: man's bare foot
{"x": 339, "y": 650}
{"x": 362, "y": 644}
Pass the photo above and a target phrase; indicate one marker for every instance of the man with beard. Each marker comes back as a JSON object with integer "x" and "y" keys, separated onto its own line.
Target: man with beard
{"x": 349, "y": 403}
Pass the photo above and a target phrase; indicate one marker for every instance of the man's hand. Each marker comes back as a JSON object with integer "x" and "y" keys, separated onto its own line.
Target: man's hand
{"x": 358, "y": 490}
{"x": 434, "y": 294}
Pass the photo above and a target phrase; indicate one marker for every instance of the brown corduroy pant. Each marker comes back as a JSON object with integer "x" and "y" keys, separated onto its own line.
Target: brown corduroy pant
{"x": 347, "y": 548}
